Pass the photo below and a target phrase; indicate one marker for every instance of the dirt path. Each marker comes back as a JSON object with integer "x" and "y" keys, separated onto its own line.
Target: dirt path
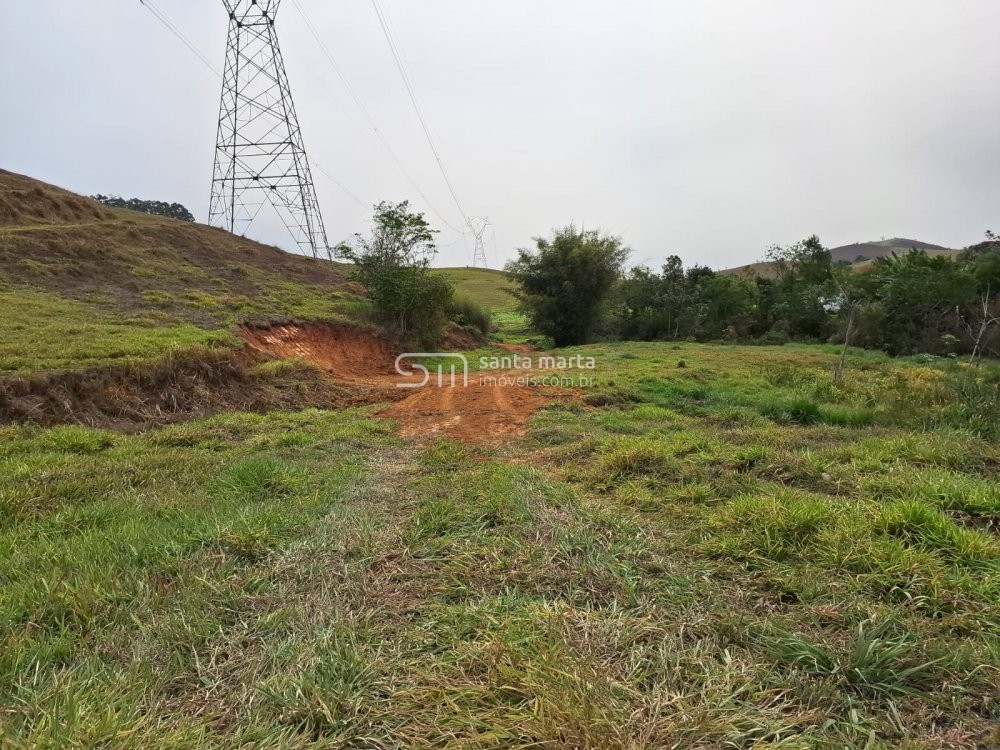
{"x": 481, "y": 412}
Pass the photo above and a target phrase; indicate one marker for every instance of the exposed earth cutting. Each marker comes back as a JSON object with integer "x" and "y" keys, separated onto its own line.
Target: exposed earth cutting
{"x": 482, "y": 411}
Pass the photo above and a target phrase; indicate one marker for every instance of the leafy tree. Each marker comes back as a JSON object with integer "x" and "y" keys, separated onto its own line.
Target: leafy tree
{"x": 656, "y": 306}
{"x": 914, "y": 302}
{"x": 682, "y": 304}
{"x": 803, "y": 286}
{"x": 901, "y": 304}
{"x": 695, "y": 274}
{"x": 156, "y": 208}
{"x": 564, "y": 282}
{"x": 984, "y": 261}
{"x": 393, "y": 265}
{"x": 678, "y": 295}
{"x": 641, "y": 306}
{"x": 806, "y": 261}
{"x": 727, "y": 306}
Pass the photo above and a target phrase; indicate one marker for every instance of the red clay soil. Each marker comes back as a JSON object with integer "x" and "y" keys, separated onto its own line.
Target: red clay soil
{"x": 345, "y": 352}
{"x": 478, "y": 413}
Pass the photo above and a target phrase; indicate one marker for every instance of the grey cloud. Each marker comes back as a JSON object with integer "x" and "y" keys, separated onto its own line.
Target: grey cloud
{"x": 709, "y": 129}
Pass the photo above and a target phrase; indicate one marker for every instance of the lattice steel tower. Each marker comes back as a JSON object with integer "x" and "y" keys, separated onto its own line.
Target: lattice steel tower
{"x": 260, "y": 157}
{"x": 477, "y": 225}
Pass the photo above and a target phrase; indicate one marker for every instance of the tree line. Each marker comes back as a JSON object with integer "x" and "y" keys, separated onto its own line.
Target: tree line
{"x": 156, "y": 208}
{"x": 574, "y": 288}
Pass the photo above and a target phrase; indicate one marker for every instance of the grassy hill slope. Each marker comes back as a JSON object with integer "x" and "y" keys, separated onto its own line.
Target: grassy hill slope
{"x": 120, "y": 319}
{"x": 865, "y": 251}
{"x": 85, "y": 285}
{"x": 486, "y": 286}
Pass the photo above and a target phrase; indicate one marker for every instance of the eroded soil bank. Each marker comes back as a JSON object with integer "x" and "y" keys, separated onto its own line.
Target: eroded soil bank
{"x": 282, "y": 368}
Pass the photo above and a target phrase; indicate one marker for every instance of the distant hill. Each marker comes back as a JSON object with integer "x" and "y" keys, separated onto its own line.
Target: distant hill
{"x": 762, "y": 269}
{"x": 863, "y": 251}
{"x": 858, "y": 253}
{"x": 486, "y": 286}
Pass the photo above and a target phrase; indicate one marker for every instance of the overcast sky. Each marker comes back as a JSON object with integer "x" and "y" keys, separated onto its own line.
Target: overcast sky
{"x": 708, "y": 129}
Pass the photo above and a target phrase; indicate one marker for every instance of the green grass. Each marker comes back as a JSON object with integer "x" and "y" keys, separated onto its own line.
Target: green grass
{"x": 488, "y": 288}
{"x": 42, "y": 331}
{"x": 152, "y": 297}
{"x": 719, "y": 555}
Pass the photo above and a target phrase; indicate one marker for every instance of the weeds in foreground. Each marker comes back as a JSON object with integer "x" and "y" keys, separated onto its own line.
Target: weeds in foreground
{"x": 673, "y": 568}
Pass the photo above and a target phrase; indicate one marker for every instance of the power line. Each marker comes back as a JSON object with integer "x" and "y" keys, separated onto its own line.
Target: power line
{"x": 367, "y": 114}
{"x": 452, "y": 243}
{"x": 148, "y": 5}
{"x": 162, "y": 18}
{"x": 332, "y": 179}
{"x": 384, "y": 23}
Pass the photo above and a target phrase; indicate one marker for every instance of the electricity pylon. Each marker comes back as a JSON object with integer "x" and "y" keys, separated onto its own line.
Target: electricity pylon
{"x": 260, "y": 156}
{"x": 478, "y": 225}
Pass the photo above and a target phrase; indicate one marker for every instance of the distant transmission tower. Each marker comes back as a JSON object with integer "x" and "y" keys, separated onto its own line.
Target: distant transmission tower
{"x": 260, "y": 156}
{"x": 478, "y": 225}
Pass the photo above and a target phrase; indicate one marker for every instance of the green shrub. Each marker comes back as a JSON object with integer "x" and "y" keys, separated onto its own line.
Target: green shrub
{"x": 393, "y": 265}
{"x": 563, "y": 283}
{"x": 469, "y": 313}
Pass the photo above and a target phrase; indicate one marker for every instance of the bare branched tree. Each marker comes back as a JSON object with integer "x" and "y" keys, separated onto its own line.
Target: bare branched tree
{"x": 978, "y": 333}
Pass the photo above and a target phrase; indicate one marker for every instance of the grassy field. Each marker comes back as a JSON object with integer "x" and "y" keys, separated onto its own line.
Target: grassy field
{"x": 713, "y": 546}
{"x": 716, "y": 546}
{"x": 487, "y": 287}
{"x": 44, "y": 331}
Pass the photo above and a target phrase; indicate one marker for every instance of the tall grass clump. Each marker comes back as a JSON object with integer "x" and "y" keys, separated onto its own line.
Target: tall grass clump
{"x": 978, "y": 404}
{"x": 257, "y": 480}
{"x": 927, "y": 527}
{"x": 779, "y": 526}
{"x": 634, "y": 458}
{"x": 469, "y": 313}
{"x": 881, "y": 660}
